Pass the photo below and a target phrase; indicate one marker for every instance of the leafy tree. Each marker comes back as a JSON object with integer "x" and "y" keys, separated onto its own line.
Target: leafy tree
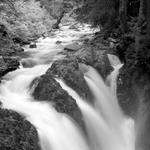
{"x": 25, "y": 19}
{"x": 99, "y": 12}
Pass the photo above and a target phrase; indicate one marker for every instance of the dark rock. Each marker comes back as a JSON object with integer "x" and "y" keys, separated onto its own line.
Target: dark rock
{"x": 48, "y": 89}
{"x": 21, "y": 41}
{"x": 74, "y": 27}
{"x": 28, "y": 63}
{"x": 72, "y": 47}
{"x": 58, "y": 42}
{"x": 55, "y": 26}
{"x": 68, "y": 70}
{"x": 16, "y": 133}
{"x": 127, "y": 95}
{"x": 34, "y": 84}
{"x": 3, "y": 30}
{"x": 17, "y": 48}
{"x": 96, "y": 58}
{"x": 8, "y": 64}
{"x": 7, "y": 51}
{"x": 33, "y": 45}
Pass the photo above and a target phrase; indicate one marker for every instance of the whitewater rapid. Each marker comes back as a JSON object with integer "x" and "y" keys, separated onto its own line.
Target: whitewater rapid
{"x": 107, "y": 127}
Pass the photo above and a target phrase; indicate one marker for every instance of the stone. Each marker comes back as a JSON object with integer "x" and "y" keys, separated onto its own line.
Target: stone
{"x": 58, "y": 42}
{"x": 16, "y": 133}
{"x": 8, "y": 64}
{"x": 28, "y": 63}
{"x": 96, "y": 58}
{"x": 48, "y": 89}
{"x": 72, "y": 47}
{"x": 68, "y": 70}
{"x": 33, "y": 45}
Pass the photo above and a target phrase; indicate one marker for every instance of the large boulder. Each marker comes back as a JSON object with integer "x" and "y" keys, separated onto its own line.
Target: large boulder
{"x": 16, "y": 133}
{"x": 68, "y": 70}
{"x": 72, "y": 47}
{"x": 28, "y": 62}
{"x": 8, "y": 64}
{"x": 21, "y": 41}
{"x": 48, "y": 89}
{"x": 33, "y": 45}
{"x": 96, "y": 58}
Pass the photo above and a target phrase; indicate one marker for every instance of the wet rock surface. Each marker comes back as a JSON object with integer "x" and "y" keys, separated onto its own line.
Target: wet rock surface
{"x": 8, "y": 64}
{"x": 72, "y": 47}
{"x": 127, "y": 94}
{"x": 33, "y": 45}
{"x": 96, "y": 58}
{"x": 48, "y": 89}
{"x": 68, "y": 70}
{"x": 16, "y": 133}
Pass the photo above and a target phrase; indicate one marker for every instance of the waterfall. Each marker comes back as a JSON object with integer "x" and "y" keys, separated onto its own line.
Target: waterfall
{"x": 107, "y": 127}
{"x": 56, "y": 130}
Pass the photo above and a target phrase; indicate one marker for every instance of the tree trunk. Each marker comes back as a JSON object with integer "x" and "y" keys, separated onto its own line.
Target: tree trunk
{"x": 123, "y": 15}
{"x": 56, "y": 25}
{"x": 142, "y": 12}
{"x": 148, "y": 20}
{"x": 140, "y": 31}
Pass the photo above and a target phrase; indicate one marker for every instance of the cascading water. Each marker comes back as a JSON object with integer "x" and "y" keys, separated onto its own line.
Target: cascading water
{"x": 107, "y": 127}
{"x": 53, "y": 127}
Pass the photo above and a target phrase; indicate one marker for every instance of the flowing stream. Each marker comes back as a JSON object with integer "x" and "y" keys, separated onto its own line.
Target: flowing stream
{"x": 107, "y": 127}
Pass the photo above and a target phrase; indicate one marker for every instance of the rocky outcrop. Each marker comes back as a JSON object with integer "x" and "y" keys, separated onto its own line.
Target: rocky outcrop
{"x": 72, "y": 47}
{"x": 8, "y": 64}
{"x": 68, "y": 70}
{"x": 21, "y": 40}
{"x": 48, "y": 89}
{"x": 127, "y": 95}
{"x": 96, "y": 58}
{"x": 58, "y": 42}
{"x": 33, "y": 45}
{"x": 16, "y": 133}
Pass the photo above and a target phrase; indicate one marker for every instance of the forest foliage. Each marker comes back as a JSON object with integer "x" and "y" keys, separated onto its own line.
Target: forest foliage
{"x": 129, "y": 21}
{"x": 33, "y": 18}
{"x": 26, "y": 19}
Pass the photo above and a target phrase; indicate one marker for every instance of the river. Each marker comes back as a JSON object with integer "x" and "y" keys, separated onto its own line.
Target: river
{"x": 107, "y": 127}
